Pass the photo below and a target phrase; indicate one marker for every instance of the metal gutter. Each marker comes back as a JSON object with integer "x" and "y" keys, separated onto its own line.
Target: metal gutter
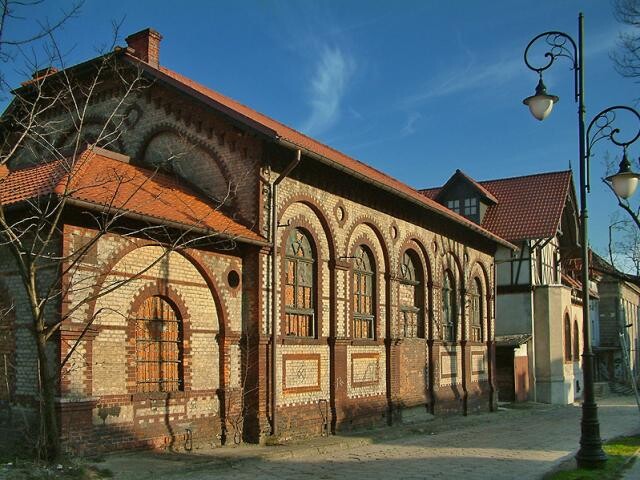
{"x": 274, "y": 279}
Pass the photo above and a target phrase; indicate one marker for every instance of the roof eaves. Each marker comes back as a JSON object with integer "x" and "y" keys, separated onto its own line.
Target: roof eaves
{"x": 424, "y": 204}
{"x": 165, "y": 222}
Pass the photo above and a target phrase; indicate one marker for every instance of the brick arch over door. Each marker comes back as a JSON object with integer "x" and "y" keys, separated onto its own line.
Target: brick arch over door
{"x": 175, "y": 277}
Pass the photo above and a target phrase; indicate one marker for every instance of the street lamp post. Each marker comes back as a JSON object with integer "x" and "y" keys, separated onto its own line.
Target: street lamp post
{"x": 559, "y": 44}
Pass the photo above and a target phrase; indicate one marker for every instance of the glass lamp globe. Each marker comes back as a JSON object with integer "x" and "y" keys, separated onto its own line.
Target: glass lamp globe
{"x": 541, "y": 104}
{"x": 624, "y": 182}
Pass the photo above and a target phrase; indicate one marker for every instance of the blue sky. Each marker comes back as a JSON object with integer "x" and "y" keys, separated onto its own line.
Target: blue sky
{"x": 415, "y": 89}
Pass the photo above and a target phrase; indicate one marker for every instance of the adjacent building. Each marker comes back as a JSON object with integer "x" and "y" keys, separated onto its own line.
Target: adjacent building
{"x": 538, "y": 305}
{"x": 615, "y": 339}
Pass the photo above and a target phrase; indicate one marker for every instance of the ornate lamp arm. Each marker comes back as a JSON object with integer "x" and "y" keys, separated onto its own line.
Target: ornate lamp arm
{"x": 559, "y": 44}
{"x": 603, "y": 126}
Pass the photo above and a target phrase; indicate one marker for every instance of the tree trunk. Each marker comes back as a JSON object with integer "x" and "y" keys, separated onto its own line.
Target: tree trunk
{"x": 49, "y": 441}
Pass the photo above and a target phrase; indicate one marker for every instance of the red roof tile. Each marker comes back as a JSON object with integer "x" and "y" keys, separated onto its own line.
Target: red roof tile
{"x": 297, "y": 139}
{"x": 106, "y": 182}
{"x": 528, "y": 207}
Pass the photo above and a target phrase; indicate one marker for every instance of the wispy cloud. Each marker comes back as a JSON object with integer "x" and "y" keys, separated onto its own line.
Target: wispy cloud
{"x": 410, "y": 126}
{"x": 470, "y": 77}
{"x": 329, "y": 82}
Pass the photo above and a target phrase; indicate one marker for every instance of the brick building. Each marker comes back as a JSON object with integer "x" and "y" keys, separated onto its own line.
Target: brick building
{"x": 382, "y": 299}
{"x": 538, "y": 305}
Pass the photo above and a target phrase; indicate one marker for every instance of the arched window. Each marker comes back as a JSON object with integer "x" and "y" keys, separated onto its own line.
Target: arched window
{"x": 477, "y": 312}
{"x": 449, "y": 308}
{"x": 158, "y": 347}
{"x": 567, "y": 338}
{"x": 363, "y": 288}
{"x": 299, "y": 289}
{"x": 411, "y": 296}
{"x": 576, "y": 342}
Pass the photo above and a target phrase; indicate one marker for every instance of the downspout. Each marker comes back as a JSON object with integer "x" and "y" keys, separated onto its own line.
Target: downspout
{"x": 274, "y": 310}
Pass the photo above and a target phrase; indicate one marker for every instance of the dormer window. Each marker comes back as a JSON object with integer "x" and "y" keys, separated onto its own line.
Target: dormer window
{"x": 470, "y": 207}
{"x": 454, "y": 205}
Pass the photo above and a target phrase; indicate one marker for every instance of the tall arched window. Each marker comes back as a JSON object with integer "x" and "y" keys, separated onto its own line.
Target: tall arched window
{"x": 449, "y": 308}
{"x": 363, "y": 299}
{"x": 158, "y": 347}
{"x": 477, "y": 313}
{"x": 576, "y": 342}
{"x": 299, "y": 289}
{"x": 567, "y": 338}
{"x": 411, "y": 296}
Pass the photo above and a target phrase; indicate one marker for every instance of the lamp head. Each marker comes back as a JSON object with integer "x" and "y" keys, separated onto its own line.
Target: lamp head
{"x": 541, "y": 103}
{"x": 624, "y": 182}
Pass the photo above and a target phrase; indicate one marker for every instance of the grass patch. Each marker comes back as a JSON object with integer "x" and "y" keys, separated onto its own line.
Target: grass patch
{"x": 618, "y": 451}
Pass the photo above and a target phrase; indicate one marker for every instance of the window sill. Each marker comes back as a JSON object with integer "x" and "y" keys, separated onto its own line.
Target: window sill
{"x": 143, "y": 396}
{"x": 291, "y": 340}
{"x": 363, "y": 342}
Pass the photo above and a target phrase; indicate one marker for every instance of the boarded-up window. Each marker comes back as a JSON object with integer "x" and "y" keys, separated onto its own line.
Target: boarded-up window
{"x": 363, "y": 286}
{"x": 567, "y": 339}
{"x": 158, "y": 347}
{"x": 299, "y": 285}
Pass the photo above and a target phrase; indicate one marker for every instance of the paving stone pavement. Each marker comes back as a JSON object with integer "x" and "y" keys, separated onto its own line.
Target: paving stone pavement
{"x": 509, "y": 444}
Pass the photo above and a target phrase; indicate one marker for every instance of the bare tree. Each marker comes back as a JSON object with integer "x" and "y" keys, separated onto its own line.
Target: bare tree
{"x": 624, "y": 245}
{"x": 50, "y": 129}
{"x": 627, "y": 57}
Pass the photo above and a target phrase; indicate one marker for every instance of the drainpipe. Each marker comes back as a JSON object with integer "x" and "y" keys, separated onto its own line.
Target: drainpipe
{"x": 274, "y": 309}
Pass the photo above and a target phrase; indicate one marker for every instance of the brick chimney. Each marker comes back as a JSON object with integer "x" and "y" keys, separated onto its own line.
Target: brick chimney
{"x": 146, "y": 46}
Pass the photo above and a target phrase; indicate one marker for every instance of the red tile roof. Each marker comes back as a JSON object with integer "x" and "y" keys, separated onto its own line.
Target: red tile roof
{"x": 527, "y": 207}
{"x": 106, "y": 182}
{"x": 279, "y": 131}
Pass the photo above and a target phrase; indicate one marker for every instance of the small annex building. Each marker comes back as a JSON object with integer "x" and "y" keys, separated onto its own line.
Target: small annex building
{"x": 322, "y": 294}
{"x": 538, "y": 305}
{"x": 616, "y": 332}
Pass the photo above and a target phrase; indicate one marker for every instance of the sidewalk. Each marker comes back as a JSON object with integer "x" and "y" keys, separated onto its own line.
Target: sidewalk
{"x": 522, "y": 443}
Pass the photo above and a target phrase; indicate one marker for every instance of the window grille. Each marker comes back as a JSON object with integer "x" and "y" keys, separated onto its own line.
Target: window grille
{"x": 411, "y": 304}
{"x": 476, "y": 311}
{"x": 363, "y": 285}
{"x": 299, "y": 290}
{"x": 158, "y": 347}
{"x": 448, "y": 309}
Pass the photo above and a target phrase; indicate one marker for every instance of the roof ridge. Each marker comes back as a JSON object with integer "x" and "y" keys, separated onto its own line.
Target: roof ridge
{"x": 272, "y": 119}
{"x": 517, "y": 177}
